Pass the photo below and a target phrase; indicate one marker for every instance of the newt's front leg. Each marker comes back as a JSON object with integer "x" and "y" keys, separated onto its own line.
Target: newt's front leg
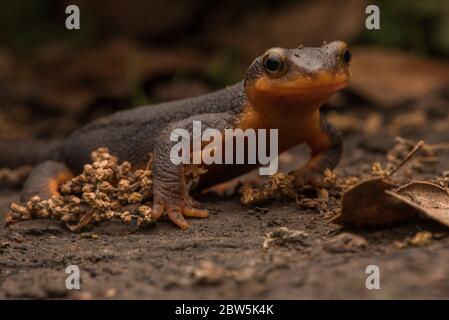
{"x": 170, "y": 192}
{"x": 327, "y": 147}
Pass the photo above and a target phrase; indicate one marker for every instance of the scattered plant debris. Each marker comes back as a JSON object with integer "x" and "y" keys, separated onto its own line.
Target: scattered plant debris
{"x": 282, "y": 185}
{"x": 422, "y": 238}
{"x": 421, "y": 162}
{"x": 345, "y": 242}
{"x": 108, "y": 190}
{"x": 283, "y": 235}
{"x": 278, "y": 185}
{"x": 209, "y": 273}
{"x": 105, "y": 190}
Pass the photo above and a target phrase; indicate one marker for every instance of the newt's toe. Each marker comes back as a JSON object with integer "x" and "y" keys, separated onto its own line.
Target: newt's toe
{"x": 177, "y": 212}
{"x": 158, "y": 210}
{"x": 195, "y": 213}
{"x": 175, "y": 215}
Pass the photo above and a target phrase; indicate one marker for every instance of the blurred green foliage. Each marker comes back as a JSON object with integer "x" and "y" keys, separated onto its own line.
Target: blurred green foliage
{"x": 25, "y": 24}
{"x": 417, "y": 25}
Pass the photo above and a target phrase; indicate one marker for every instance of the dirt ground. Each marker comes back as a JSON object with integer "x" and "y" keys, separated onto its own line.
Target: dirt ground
{"x": 223, "y": 256}
{"x": 153, "y": 51}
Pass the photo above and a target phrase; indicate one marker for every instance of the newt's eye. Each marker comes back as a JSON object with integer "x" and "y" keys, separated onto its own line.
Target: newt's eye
{"x": 346, "y": 56}
{"x": 274, "y": 64}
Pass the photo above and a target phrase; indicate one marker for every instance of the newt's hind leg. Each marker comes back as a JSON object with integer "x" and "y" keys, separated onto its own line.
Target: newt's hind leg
{"x": 44, "y": 180}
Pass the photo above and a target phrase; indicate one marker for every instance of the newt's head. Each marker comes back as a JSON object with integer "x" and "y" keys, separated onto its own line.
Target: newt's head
{"x": 301, "y": 76}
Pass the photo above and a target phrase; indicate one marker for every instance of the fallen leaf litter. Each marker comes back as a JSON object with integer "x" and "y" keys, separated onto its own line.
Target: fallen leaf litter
{"x": 384, "y": 200}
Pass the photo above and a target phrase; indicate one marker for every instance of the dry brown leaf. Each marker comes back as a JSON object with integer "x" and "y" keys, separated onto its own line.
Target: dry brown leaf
{"x": 373, "y": 202}
{"x": 367, "y": 204}
{"x": 429, "y": 199}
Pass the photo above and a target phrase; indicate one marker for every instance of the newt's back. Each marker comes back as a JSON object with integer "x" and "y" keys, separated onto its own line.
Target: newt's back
{"x": 130, "y": 134}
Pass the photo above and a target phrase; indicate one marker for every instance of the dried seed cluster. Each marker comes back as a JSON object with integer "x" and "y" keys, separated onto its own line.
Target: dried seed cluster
{"x": 283, "y": 185}
{"x": 278, "y": 185}
{"x": 103, "y": 191}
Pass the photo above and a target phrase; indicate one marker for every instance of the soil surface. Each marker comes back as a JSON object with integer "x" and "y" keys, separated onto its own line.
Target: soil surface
{"x": 223, "y": 256}
{"x": 52, "y": 82}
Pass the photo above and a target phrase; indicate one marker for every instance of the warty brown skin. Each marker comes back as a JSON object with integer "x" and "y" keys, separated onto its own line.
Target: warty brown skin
{"x": 283, "y": 89}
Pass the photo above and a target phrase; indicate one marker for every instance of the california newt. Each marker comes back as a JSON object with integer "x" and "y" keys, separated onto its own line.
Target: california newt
{"x": 283, "y": 89}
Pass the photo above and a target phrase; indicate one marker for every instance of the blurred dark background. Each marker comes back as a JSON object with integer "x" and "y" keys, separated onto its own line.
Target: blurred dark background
{"x": 130, "y": 53}
{"x": 421, "y": 26}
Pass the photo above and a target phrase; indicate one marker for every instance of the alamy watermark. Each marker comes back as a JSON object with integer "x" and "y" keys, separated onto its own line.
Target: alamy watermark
{"x": 190, "y": 150}
{"x": 73, "y": 22}
{"x": 72, "y": 282}
{"x": 372, "y": 282}
{"x": 372, "y": 21}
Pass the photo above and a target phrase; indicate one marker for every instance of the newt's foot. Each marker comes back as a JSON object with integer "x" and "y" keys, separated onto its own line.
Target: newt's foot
{"x": 310, "y": 177}
{"x": 177, "y": 212}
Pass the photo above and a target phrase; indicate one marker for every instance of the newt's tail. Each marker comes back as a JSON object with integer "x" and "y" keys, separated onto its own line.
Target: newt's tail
{"x": 17, "y": 153}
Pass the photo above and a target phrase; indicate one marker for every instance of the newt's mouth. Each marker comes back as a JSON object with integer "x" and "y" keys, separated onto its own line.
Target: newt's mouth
{"x": 303, "y": 88}
{"x": 316, "y": 90}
